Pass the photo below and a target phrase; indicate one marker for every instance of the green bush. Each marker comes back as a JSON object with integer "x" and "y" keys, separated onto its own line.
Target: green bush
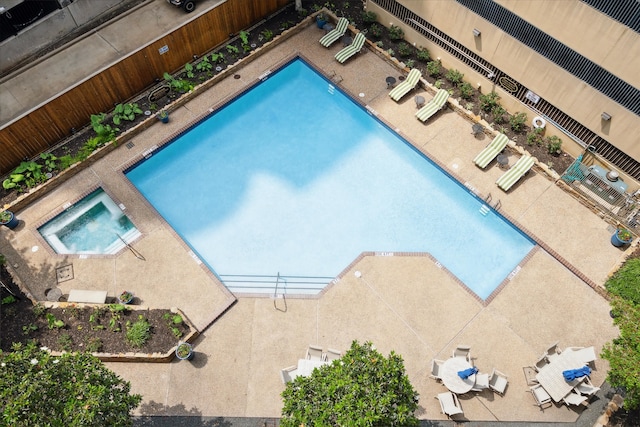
{"x": 466, "y": 90}
{"x": 369, "y": 17}
{"x": 625, "y": 282}
{"x": 554, "y": 144}
{"x": 498, "y": 113}
{"x": 434, "y": 68}
{"x": 405, "y": 49}
{"x": 454, "y": 76}
{"x": 517, "y": 121}
{"x": 535, "y": 137}
{"x": 410, "y": 63}
{"x": 375, "y": 30}
{"x": 139, "y": 332}
{"x": 489, "y": 101}
{"x": 423, "y": 55}
{"x": 396, "y": 33}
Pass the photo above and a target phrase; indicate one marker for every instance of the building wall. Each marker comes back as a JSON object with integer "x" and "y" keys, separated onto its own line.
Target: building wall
{"x": 603, "y": 40}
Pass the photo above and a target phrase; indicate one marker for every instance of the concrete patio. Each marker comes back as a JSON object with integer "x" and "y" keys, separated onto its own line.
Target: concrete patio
{"x": 405, "y": 303}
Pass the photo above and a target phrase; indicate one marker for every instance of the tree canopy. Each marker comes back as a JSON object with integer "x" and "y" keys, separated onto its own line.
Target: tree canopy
{"x": 363, "y": 388}
{"x": 73, "y": 390}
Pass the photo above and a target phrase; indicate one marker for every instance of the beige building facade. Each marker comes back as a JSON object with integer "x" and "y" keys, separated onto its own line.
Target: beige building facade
{"x": 491, "y": 42}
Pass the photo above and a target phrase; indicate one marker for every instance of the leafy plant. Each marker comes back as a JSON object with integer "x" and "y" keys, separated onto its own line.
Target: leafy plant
{"x": 466, "y": 90}
{"x": 454, "y": 76}
{"x": 53, "y": 322}
{"x": 27, "y": 175}
{"x": 404, "y": 49}
{"x": 104, "y": 132}
{"x": 390, "y": 52}
{"x": 244, "y": 37}
{"x": 554, "y": 144}
{"x": 232, "y": 49}
{"x": 488, "y": 101}
{"x": 380, "y": 44}
{"x": 139, "y": 332}
{"x": 469, "y": 106}
{"x": 125, "y": 112}
{"x": 375, "y": 30}
{"x": 438, "y": 83}
{"x": 410, "y": 63}
{"x": 65, "y": 342}
{"x": 217, "y": 57}
{"x": 94, "y": 345}
{"x": 267, "y": 34}
{"x": 396, "y": 33}
{"x": 433, "y": 68}
{"x": 535, "y": 137}
{"x": 50, "y": 161}
{"x": 27, "y": 329}
{"x": 9, "y": 299}
{"x": 423, "y": 55}
{"x": 517, "y": 121}
{"x": 39, "y": 309}
{"x": 365, "y": 389}
{"x": 75, "y": 389}
{"x": 498, "y": 113}
{"x": 188, "y": 70}
{"x": 179, "y": 85}
{"x": 369, "y": 17}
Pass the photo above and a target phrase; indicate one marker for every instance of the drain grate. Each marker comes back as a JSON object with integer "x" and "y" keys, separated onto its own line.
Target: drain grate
{"x": 129, "y": 145}
{"x": 64, "y": 273}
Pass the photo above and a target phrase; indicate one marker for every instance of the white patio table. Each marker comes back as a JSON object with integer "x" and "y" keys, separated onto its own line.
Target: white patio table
{"x": 306, "y": 366}
{"x": 452, "y": 380}
{"x": 551, "y": 379}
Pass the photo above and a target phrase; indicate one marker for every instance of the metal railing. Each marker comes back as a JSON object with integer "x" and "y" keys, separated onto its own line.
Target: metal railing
{"x": 264, "y": 284}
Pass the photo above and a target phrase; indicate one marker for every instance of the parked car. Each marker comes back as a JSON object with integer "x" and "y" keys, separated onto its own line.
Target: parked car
{"x": 187, "y": 5}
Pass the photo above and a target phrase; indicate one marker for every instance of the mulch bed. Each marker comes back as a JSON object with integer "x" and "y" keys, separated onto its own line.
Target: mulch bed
{"x": 20, "y": 322}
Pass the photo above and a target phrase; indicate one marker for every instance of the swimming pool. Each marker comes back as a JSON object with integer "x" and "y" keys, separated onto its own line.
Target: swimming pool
{"x": 94, "y": 225}
{"x": 293, "y": 177}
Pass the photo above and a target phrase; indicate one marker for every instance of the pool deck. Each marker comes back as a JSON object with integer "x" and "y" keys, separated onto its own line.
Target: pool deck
{"x": 402, "y": 303}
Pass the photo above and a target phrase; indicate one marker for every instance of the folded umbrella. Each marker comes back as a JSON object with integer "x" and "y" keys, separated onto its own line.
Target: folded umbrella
{"x": 467, "y": 373}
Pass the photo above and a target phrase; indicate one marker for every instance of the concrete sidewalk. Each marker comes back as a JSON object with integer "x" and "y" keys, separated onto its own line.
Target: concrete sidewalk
{"x": 33, "y": 85}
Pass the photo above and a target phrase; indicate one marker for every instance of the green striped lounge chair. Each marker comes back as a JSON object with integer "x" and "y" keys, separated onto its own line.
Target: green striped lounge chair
{"x": 433, "y": 106}
{"x": 352, "y": 49}
{"x": 409, "y": 83}
{"x": 516, "y": 172}
{"x": 490, "y": 152}
{"x": 333, "y": 35}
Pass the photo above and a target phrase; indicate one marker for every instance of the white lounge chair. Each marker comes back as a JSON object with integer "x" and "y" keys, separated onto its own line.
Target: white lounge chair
{"x": 542, "y": 398}
{"x": 435, "y": 369}
{"x": 516, "y": 172}
{"x": 449, "y": 404}
{"x": 482, "y": 382}
{"x": 433, "y": 106}
{"x": 314, "y": 353}
{"x": 498, "y": 381}
{"x": 408, "y": 84}
{"x": 333, "y": 35}
{"x": 463, "y": 352}
{"x": 490, "y": 152}
{"x": 575, "y": 399}
{"x": 288, "y": 374}
{"x": 352, "y": 49}
{"x": 332, "y": 355}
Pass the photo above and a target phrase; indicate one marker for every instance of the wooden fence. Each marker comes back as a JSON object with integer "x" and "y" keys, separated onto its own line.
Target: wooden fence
{"x": 47, "y": 125}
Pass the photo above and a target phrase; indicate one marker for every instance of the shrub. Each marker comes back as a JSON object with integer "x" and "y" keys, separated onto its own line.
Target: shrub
{"x": 423, "y": 55}
{"x": 454, "y": 76}
{"x": 438, "y": 83}
{"x": 375, "y": 30}
{"x": 625, "y": 282}
{"x": 489, "y": 101}
{"x": 138, "y": 332}
{"x": 517, "y": 121}
{"x": 498, "y": 114}
{"x": 466, "y": 90}
{"x": 554, "y": 144}
{"x": 535, "y": 137}
{"x": 380, "y": 44}
{"x": 396, "y": 33}
{"x": 410, "y": 63}
{"x": 433, "y": 68}
{"x": 404, "y": 49}
{"x": 369, "y": 17}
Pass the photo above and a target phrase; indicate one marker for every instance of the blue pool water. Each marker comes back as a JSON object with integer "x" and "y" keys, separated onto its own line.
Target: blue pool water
{"x": 94, "y": 225}
{"x": 294, "y": 177}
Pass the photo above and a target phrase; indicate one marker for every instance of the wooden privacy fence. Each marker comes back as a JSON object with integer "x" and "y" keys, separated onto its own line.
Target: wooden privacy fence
{"x": 43, "y": 127}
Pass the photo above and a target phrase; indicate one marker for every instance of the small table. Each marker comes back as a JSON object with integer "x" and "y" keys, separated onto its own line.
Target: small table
{"x": 452, "y": 380}
{"x": 551, "y": 379}
{"x": 419, "y": 101}
{"x": 346, "y": 40}
{"x": 390, "y": 81}
{"x": 306, "y": 366}
{"x": 503, "y": 161}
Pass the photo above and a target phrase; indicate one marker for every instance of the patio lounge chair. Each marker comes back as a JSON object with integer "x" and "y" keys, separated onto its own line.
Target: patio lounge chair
{"x": 490, "y": 152}
{"x": 433, "y": 106}
{"x": 575, "y": 399}
{"x": 449, "y": 404}
{"x": 542, "y": 398}
{"x": 409, "y": 83}
{"x": 516, "y": 172}
{"x": 314, "y": 353}
{"x": 332, "y": 354}
{"x": 352, "y": 49}
{"x": 333, "y": 35}
{"x": 498, "y": 381}
{"x": 288, "y": 374}
{"x": 435, "y": 369}
{"x": 463, "y": 352}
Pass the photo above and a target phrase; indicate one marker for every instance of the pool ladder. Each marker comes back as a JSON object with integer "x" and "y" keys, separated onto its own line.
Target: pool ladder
{"x": 496, "y": 206}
